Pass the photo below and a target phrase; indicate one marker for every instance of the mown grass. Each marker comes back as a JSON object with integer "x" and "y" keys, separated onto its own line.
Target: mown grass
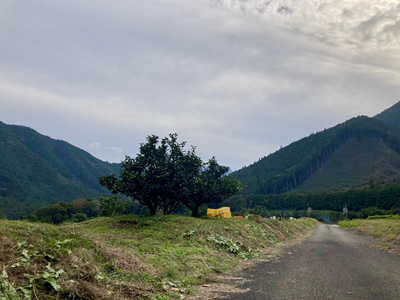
{"x": 130, "y": 257}
{"x": 387, "y": 230}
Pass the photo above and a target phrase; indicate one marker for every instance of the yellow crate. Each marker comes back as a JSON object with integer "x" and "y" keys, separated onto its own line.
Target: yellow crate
{"x": 226, "y": 215}
{"x": 224, "y": 210}
{"x": 212, "y": 213}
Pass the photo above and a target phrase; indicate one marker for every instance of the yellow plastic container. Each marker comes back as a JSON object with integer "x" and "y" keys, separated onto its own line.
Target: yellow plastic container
{"x": 226, "y": 215}
{"x": 212, "y": 213}
{"x": 224, "y": 210}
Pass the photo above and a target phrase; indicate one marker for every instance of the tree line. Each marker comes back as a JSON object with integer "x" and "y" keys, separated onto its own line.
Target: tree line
{"x": 384, "y": 197}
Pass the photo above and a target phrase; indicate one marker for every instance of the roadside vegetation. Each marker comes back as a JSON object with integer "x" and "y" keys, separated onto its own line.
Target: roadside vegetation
{"x": 130, "y": 256}
{"x": 384, "y": 227}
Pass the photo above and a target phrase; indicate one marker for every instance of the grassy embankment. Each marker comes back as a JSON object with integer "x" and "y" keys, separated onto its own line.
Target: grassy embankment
{"x": 384, "y": 229}
{"x": 130, "y": 257}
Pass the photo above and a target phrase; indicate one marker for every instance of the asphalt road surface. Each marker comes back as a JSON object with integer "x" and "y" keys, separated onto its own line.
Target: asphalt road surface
{"x": 332, "y": 263}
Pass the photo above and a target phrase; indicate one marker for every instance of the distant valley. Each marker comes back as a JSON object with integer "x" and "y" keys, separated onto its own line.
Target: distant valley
{"x": 36, "y": 170}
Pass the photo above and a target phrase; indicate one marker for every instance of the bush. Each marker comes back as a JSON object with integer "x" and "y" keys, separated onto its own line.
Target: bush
{"x": 371, "y": 211}
{"x": 79, "y": 217}
{"x": 91, "y": 208}
{"x": 112, "y": 206}
{"x": 55, "y": 213}
{"x": 389, "y": 217}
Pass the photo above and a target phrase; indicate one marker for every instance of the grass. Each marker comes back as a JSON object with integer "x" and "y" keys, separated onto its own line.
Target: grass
{"x": 130, "y": 257}
{"x": 387, "y": 230}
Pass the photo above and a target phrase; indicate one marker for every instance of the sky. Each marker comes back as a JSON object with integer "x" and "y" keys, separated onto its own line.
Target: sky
{"x": 238, "y": 79}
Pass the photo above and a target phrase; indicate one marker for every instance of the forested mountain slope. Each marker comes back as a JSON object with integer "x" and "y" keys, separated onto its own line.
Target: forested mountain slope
{"x": 390, "y": 116}
{"x": 36, "y": 170}
{"x": 345, "y": 156}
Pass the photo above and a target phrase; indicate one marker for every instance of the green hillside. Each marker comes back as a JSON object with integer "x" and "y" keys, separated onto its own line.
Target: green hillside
{"x": 390, "y": 116}
{"x": 36, "y": 170}
{"x": 347, "y": 168}
{"x": 345, "y": 156}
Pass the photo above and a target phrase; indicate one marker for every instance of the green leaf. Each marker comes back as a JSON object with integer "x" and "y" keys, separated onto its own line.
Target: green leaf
{"x": 25, "y": 253}
{"x": 21, "y": 244}
{"x": 54, "y": 283}
{"x": 27, "y": 292}
{"x": 15, "y": 265}
{"x": 59, "y": 273}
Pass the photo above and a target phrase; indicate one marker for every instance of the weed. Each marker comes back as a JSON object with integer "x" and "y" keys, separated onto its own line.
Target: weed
{"x": 50, "y": 276}
{"x": 128, "y": 257}
{"x": 189, "y": 234}
{"x": 9, "y": 292}
{"x": 349, "y": 224}
{"x": 229, "y": 245}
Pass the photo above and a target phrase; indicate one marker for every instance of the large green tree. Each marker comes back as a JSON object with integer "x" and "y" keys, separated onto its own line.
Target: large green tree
{"x": 165, "y": 176}
{"x": 211, "y": 184}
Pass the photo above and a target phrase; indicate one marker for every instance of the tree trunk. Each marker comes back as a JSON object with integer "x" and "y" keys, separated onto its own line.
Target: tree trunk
{"x": 195, "y": 210}
{"x": 152, "y": 210}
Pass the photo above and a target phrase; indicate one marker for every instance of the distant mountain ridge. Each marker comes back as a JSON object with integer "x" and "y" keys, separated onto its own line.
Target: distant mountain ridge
{"x": 36, "y": 170}
{"x": 390, "y": 116}
{"x": 348, "y": 155}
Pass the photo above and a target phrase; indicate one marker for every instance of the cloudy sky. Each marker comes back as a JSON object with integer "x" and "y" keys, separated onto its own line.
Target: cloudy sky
{"x": 236, "y": 78}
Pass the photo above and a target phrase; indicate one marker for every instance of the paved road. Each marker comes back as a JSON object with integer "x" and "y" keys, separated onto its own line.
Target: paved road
{"x": 332, "y": 263}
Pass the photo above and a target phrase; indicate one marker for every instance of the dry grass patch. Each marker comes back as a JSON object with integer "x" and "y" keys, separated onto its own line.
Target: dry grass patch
{"x": 124, "y": 260}
{"x": 383, "y": 229}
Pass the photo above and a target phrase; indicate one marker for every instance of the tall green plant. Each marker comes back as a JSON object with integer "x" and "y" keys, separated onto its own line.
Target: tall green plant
{"x": 166, "y": 176}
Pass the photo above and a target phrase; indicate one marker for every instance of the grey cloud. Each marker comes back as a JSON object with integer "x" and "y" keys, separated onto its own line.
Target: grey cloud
{"x": 238, "y": 79}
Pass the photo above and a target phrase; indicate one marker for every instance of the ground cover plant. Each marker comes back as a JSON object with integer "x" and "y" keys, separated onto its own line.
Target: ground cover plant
{"x": 130, "y": 257}
{"x": 385, "y": 228}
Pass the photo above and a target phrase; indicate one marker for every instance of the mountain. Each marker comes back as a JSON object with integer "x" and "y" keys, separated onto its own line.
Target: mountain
{"x": 348, "y": 155}
{"x": 390, "y": 116}
{"x": 36, "y": 170}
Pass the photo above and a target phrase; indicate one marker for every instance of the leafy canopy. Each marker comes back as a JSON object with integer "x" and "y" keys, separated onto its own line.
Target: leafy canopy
{"x": 166, "y": 176}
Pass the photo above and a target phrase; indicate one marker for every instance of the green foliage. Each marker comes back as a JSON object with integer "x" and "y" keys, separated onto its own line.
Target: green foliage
{"x": 55, "y": 213}
{"x": 385, "y": 229}
{"x": 48, "y": 277}
{"x": 293, "y": 166}
{"x": 36, "y": 171}
{"x": 371, "y": 211}
{"x": 349, "y": 224}
{"x": 164, "y": 175}
{"x": 388, "y": 217}
{"x": 391, "y": 115}
{"x": 89, "y": 207}
{"x": 10, "y": 292}
{"x": 77, "y": 211}
{"x": 147, "y": 256}
{"x": 229, "y": 245}
{"x": 209, "y": 185}
{"x": 79, "y": 217}
{"x": 112, "y": 206}
{"x": 386, "y": 198}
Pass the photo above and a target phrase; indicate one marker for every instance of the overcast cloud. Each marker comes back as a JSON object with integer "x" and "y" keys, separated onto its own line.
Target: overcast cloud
{"x": 236, "y": 78}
